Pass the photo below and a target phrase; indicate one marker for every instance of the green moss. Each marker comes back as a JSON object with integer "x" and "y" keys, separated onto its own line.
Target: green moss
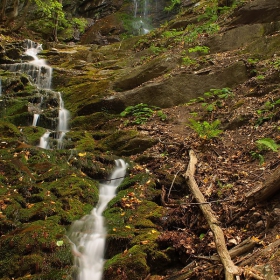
{"x": 8, "y": 130}
{"x": 91, "y": 121}
{"x": 129, "y": 265}
{"x": 32, "y": 134}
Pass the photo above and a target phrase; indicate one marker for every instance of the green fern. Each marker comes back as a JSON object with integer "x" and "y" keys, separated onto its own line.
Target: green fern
{"x": 267, "y": 143}
{"x": 206, "y": 130}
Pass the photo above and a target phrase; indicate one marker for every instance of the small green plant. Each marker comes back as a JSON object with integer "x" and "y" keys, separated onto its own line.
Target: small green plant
{"x": 267, "y": 144}
{"x": 223, "y": 188}
{"x": 262, "y": 145}
{"x": 266, "y": 111}
{"x": 257, "y": 156}
{"x": 140, "y": 113}
{"x": 188, "y": 61}
{"x": 260, "y": 77}
{"x": 223, "y": 93}
{"x": 276, "y": 64}
{"x": 161, "y": 115}
{"x": 252, "y": 60}
{"x": 206, "y": 130}
{"x": 200, "y": 49}
{"x": 172, "y": 5}
{"x": 157, "y": 50}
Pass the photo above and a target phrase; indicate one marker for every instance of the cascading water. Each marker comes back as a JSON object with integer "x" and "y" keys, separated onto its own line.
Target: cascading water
{"x": 44, "y": 140}
{"x": 63, "y": 119}
{"x": 87, "y": 235}
{"x": 141, "y": 14}
{"x": 35, "y": 119}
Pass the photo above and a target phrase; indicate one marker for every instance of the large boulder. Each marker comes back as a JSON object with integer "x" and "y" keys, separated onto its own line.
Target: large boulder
{"x": 258, "y": 11}
{"x": 183, "y": 87}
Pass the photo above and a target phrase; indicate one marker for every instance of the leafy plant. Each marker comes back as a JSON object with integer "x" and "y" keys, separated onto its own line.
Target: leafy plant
{"x": 257, "y": 156}
{"x": 223, "y": 188}
{"x": 140, "y": 112}
{"x": 223, "y": 93}
{"x": 267, "y": 144}
{"x": 201, "y": 49}
{"x": 172, "y": 5}
{"x": 156, "y": 50}
{"x": 263, "y": 145}
{"x": 206, "y": 130}
{"x": 188, "y": 61}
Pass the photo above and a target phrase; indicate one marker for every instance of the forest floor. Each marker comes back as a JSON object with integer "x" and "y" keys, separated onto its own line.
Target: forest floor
{"x": 229, "y": 167}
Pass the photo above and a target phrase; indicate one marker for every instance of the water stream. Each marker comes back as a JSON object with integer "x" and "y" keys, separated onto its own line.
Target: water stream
{"x": 88, "y": 235}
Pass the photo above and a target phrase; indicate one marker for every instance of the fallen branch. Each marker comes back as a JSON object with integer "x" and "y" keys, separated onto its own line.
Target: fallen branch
{"x": 230, "y": 269}
{"x": 265, "y": 190}
{"x": 240, "y": 249}
{"x": 267, "y": 251}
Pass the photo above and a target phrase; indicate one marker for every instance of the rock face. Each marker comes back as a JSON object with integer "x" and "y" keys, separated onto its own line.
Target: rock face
{"x": 258, "y": 11}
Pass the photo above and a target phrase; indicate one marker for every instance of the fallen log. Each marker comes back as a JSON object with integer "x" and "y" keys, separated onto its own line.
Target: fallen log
{"x": 265, "y": 190}
{"x": 229, "y": 267}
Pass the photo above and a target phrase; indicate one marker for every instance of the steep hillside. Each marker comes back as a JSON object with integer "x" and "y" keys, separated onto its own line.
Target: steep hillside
{"x": 206, "y": 83}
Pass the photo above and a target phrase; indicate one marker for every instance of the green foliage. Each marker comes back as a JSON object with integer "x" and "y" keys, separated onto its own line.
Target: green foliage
{"x": 266, "y": 112}
{"x": 80, "y": 23}
{"x": 257, "y": 156}
{"x": 157, "y": 50}
{"x": 267, "y": 144}
{"x": 140, "y": 112}
{"x": 49, "y": 7}
{"x": 206, "y": 130}
{"x": 188, "y": 61}
{"x": 193, "y": 32}
{"x": 201, "y": 49}
{"x": 172, "y": 5}
{"x": 210, "y": 13}
{"x": 264, "y": 144}
{"x": 276, "y": 64}
{"x": 223, "y": 93}
{"x": 252, "y": 60}
{"x": 223, "y": 188}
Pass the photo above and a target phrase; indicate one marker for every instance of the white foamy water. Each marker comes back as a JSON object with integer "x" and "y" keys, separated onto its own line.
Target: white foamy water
{"x": 44, "y": 140}
{"x": 35, "y": 119}
{"x": 88, "y": 235}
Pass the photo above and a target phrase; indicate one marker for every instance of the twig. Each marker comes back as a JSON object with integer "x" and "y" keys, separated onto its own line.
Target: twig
{"x": 173, "y": 183}
{"x": 206, "y": 202}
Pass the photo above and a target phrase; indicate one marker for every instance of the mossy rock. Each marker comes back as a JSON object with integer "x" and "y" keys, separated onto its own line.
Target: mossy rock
{"x": 8, "y": 130}
{"x": 33, "y": 134}
{"x": 36, "y": 244}
{"x": 92, "y": 121}
{"x": 125, "y": 143}
{"x": 129, "y": 265}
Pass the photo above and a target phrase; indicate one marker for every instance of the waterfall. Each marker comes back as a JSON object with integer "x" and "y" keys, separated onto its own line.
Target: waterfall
{"x": 35, "y": 119}
{"x": 44, "y": 140}
{"x": 88, "y": 235}
{"x": 63, "y": 119}
{"x": 141, "y": 17}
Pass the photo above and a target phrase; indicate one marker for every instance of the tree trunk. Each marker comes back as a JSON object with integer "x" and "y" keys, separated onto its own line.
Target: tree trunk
{"x": 13, "y": 15}
{"x": 56, "y": 24}
{"x": 264, "y": 191}
{"x": 3, "y": 8}
{"x": 23, "y": 16}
